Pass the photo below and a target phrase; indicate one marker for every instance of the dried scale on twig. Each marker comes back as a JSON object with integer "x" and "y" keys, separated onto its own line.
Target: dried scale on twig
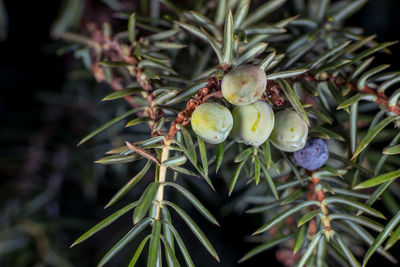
{"x": 316, "y": 192}
{"x": 211, "y": 90}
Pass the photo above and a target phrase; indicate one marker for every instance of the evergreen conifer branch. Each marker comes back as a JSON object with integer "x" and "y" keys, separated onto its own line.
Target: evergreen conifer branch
{"x": 314, "y": 71}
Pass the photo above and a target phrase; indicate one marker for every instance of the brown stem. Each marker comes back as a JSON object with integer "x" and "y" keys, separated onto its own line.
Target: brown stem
{"x": 381, "y": 98}
{"x": 201, "y": 97}
{"x": 318, "y": 194}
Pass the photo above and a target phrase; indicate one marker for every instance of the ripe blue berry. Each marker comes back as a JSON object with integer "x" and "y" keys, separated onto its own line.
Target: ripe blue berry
{"x": 313, "y": 155}
{"x": 244, "y": 85}
{"x": 212, "y": 122}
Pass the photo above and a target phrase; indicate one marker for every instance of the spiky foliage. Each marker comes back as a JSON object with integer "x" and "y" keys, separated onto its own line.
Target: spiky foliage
{"x": 166, "y": 64}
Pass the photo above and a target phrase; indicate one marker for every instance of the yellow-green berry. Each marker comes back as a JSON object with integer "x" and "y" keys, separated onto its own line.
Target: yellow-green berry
{"x": 253, "y": 123}
{"x": 212, "y": 122}
{"x": 290, "y": 131}
{"x": 244, "y": 85}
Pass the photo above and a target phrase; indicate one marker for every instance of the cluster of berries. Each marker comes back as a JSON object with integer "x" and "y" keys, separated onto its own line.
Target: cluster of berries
{"x": 253, "y": 121}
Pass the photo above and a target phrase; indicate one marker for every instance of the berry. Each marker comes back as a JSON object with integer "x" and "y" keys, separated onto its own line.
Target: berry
{"x": 313, "y": 155}
{"x": 244, "y": 85}
{"x": 290, "y": 131}
{"x": 338, "y": 148}
{"x": 252, "y": 124}
{"x": 212, "y": 122}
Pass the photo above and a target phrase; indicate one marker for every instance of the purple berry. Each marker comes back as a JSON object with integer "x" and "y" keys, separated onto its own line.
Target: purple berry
{"x": 313, "y": 155}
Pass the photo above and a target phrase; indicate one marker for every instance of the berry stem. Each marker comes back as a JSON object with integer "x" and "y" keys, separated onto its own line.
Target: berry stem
{"x": 316, "y": 192}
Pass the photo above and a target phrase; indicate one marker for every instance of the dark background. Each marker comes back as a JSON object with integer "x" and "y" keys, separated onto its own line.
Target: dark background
{"x": 43, "y": 116}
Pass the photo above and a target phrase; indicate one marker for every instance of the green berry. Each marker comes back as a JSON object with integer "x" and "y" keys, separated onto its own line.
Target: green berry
{"x": 252, "y": 124}
{"x": 212, "y": 122}
{"x": 290, "y": 131}
{"x": 244, "y": 85}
